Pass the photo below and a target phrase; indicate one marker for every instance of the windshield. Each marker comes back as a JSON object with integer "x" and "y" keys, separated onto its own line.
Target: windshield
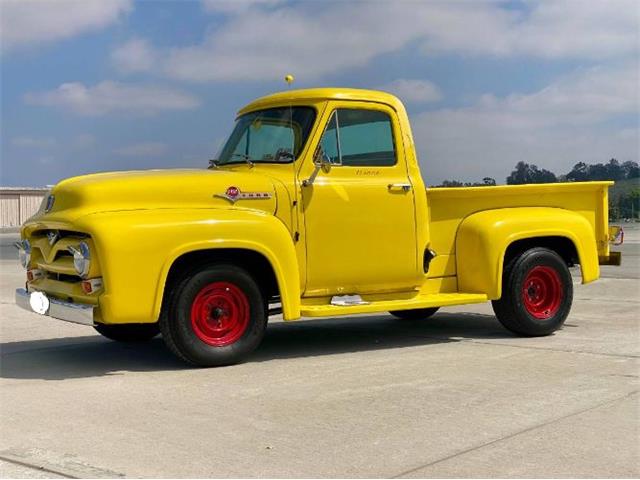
{"x": 276, "y": 135}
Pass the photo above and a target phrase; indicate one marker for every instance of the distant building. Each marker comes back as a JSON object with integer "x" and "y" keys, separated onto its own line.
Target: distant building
{"x": 19, "y": 203}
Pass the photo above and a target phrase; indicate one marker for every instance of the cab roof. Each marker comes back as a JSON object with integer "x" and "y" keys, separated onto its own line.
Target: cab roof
{"x": 318, "y": 94}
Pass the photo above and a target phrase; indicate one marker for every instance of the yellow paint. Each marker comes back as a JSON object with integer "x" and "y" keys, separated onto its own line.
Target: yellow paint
{"x": 418, "y": 301}
{"x": 483, "y": 238}
{"x": 355, "y": 235}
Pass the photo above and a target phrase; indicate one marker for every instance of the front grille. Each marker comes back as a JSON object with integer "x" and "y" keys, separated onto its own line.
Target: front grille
{"x": 54, "y": 258}
{"x": 64, "y": 278}
{"x": 60, "y": 278}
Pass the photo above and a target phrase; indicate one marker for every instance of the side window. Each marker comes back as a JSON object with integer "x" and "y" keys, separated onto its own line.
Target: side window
{"x": 355, "y": 137}
{"x": 329, "y": 142}
{"x": 366, "y": 138}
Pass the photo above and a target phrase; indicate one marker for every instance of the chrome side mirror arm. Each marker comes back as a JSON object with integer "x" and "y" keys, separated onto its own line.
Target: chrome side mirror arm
{"x": 323, "y": 164}
{"x": 309, "y": 181}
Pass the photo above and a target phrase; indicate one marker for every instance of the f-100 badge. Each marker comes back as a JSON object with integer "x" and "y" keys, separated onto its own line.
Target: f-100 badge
{"x": 233, "y": 194}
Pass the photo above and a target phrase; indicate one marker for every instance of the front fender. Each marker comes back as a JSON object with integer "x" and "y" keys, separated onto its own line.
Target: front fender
{"x": 483, "y": 239}
{"x": 137, "y": 248}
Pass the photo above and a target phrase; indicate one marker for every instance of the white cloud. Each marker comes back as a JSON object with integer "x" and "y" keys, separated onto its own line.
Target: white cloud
{"x": 108, "y": 96}
{"x": 307, "y": 43}
{"x": 136, "y": 55}
{"x": 315, "y": 40}
{"x": 142, "y": 149}
{"x": 28, "y": 22}
{"x": 549, "y": 29}
{"x": 584, "y": 97}
{"x": 573, "y": 28}
{"x": 33, "y": 142}
{"x": 236, "y": 6}
{"x": 571, "y": 120}
{"x": 416, "y": 91}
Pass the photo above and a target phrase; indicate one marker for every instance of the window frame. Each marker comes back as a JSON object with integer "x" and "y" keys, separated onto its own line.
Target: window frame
{"x": 303, "y": 147}
{"x": 392, "y": 126}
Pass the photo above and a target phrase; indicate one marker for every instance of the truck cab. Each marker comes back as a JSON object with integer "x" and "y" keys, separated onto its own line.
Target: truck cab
{"x": 314, "y": 207}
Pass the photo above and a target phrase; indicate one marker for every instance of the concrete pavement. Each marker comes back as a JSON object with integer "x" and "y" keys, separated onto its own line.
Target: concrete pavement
{"x": 371, "y": 396}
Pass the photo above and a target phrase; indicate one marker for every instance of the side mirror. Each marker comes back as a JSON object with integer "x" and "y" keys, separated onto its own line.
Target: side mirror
{"x": 322, "y": 162}
{"x": 321, "y": 159}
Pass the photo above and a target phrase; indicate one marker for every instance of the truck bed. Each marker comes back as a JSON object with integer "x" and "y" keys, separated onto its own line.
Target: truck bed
{"x": 450, "y": 206}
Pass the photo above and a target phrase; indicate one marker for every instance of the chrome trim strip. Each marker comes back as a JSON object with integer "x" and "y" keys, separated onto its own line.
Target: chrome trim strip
{"x": 69, "y": 312}
{"x": 243, "y": 196}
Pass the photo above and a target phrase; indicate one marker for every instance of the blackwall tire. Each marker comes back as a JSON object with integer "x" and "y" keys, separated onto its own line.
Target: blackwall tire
{"x": 537, "y": 292}
{"x": 214, "y": 316}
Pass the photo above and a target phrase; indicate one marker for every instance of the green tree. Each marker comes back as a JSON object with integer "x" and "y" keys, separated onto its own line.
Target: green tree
{"x": 613, "y": 170}
{"x": 579, "y": 173}
{"x": 631, "y": 169}
{"x": 452, "y": 183}
{"x": 489, "y": 181}
{"x": 525, "y": 173}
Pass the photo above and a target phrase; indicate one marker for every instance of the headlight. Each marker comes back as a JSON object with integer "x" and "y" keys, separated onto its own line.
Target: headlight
{"x": 81, "y": 259}
{"x": 24, "y": 253}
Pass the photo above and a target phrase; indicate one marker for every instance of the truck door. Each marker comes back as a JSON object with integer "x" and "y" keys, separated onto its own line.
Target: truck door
{"x": 359, "y": 212}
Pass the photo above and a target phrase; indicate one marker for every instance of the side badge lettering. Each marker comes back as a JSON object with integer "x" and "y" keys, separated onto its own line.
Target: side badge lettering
{"x": 233, "y": 194}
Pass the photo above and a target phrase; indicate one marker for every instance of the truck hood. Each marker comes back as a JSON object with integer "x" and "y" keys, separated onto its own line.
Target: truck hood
{"x": 153, "y": 189}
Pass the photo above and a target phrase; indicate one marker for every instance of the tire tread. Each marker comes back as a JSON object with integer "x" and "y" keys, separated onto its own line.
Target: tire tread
{"x": 508, "y": 308}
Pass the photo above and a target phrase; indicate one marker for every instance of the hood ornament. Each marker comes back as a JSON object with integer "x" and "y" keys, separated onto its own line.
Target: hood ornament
{"x": 52, "y": 236}
{"x": 233, "y": 194}
{"x": 49, "y": 205}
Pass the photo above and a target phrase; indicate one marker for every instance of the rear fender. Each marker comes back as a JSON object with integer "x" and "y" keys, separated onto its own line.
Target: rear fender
{"x": 483, "y": 238}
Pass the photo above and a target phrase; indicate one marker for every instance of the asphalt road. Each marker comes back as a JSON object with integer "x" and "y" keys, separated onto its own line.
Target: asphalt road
{"x": 370, "y": 396}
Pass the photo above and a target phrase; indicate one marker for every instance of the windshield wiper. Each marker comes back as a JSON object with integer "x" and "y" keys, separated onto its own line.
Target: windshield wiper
{"x": 244, "y": 157}
{"x": 213, "y": 163}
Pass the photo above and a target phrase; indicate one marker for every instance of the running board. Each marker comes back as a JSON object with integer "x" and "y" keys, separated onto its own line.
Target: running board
{"x": 420, "y": 301}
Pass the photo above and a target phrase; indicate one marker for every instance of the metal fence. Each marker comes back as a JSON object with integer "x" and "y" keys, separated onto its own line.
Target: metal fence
{"x": 18, "y": 204}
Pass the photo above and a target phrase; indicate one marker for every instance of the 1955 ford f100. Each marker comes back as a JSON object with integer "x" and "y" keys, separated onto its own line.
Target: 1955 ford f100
{"x": 314, "y": 207}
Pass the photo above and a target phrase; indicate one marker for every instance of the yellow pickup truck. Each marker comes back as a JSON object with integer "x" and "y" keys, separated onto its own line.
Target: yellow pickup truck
{"x": 314, "y": 207}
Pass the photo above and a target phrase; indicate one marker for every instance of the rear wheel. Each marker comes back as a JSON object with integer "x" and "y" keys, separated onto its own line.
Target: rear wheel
{"x": 134, "y": 332}
{"x": 537, "y": 293}
{"x": 415, "y": 314}
{"x": 214, "y": 316}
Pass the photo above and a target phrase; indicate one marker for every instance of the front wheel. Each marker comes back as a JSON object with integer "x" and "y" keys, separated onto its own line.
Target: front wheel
{"x": 537, "y": 292}
{"x": 214, "y": 316}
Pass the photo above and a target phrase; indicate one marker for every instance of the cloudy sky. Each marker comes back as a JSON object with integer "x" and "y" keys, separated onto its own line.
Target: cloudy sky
{"x": 116, "y": 84}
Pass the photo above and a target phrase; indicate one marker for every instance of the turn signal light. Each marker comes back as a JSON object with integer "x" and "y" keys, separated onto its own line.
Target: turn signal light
{"x": 92, "y": 285}
{"x": 34, "y": 274}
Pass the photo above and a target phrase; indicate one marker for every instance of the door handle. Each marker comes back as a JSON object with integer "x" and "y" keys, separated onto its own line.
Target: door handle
{"x": 405, "y": 187}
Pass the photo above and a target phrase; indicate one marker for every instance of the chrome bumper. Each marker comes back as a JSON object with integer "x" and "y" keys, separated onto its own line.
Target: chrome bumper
{"x": 69, "y": 312}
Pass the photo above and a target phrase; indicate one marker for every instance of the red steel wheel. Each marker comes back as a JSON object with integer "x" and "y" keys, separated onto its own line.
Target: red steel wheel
{"x": 537, "y": 292}
{"x": 220, "y": 314}
{"x": 542, "y": 292}
{"x": 213, "y": 315}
